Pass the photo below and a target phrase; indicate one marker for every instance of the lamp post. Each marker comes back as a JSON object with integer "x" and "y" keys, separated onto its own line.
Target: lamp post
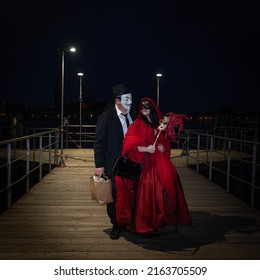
{"x": 158, "y": 87}
{"x": 80, "y": 106}
{"x": 61, "y": 52}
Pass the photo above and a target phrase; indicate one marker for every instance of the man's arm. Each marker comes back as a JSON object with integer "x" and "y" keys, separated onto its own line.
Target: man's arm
{"x": 100, "y": 144}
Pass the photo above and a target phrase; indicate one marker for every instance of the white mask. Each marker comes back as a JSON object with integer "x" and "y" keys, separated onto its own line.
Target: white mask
{"x": 126, "y": 101}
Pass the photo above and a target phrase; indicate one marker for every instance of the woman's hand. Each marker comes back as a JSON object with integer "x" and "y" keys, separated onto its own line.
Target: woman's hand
{"x": 161, "y": 148}
{"x": 150, "y": 149}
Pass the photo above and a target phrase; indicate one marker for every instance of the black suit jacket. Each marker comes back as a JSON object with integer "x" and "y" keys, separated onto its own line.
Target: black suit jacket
{"x": 109, "y": 138}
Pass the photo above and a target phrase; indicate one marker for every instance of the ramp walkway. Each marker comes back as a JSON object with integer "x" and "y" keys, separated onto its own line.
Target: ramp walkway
{"x": 57, "y": 219}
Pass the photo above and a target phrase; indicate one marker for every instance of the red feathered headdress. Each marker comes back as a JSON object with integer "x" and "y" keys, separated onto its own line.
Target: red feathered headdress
{"x": 172, "y": 122}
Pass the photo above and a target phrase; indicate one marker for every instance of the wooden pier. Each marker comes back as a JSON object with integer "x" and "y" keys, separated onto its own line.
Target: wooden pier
{"x": 58, "y": 220}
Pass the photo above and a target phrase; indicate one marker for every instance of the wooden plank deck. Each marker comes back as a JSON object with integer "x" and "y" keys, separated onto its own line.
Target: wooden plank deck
{"x": 58, "y": 220}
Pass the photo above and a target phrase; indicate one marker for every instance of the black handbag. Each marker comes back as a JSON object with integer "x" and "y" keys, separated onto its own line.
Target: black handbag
{"x": 126, "y": 168}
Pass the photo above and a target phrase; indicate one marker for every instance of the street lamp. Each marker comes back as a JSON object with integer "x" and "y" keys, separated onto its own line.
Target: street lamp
{"x": 61, "y": 52}
{"x": 158, "y": 87}
{"x": 80, "y": 106}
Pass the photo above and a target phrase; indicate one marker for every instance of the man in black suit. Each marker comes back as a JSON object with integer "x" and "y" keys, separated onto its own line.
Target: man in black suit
{"x": 110, "y": 131}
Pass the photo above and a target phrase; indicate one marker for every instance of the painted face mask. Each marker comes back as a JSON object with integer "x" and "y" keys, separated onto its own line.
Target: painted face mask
{"x": 146, "y": 105}
{"x": 126, "y": 101}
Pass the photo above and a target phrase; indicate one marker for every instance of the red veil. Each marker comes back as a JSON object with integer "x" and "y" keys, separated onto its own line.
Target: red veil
{"x": 157, "y": 199}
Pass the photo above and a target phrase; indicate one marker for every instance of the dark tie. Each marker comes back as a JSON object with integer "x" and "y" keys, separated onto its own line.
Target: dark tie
{"x": 126, "y": 119}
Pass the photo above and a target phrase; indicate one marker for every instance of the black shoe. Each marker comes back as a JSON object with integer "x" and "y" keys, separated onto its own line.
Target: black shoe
{"x": 115, "y": 233}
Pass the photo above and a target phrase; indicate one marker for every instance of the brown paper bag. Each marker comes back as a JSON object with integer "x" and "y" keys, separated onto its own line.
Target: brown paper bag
{"x": 101, "y": 189}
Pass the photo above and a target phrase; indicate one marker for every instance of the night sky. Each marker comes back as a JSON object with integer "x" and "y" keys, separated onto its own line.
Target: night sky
{"x": 207, "y": 52}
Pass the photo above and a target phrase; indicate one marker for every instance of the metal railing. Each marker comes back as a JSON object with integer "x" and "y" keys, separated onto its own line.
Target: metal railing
{"x": 72, "y": 135}
{"x": 21, "y": 159}
{"x": 234, "y": 160}
{"x": 233, "y": 163}
{"x": 74, "y": 138}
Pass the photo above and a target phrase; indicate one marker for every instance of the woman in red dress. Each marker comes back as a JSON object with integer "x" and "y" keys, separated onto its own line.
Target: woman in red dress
{"x": 157, "y": 199}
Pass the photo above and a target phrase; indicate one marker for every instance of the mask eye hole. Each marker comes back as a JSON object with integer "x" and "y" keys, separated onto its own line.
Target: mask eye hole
{"x": 146, "y": 105}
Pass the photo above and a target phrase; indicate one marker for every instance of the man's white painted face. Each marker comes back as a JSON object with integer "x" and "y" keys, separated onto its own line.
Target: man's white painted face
{"x": 126, "y": 101}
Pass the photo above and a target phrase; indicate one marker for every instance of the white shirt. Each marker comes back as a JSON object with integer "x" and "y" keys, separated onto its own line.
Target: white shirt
{"x": 122, "y": 119}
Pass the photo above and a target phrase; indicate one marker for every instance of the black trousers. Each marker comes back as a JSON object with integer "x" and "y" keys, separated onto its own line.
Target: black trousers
{"x": 111, "y": 209}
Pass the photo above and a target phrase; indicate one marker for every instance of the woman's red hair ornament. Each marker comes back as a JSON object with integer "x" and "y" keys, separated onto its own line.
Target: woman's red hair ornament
{"x": 169, "y": 124}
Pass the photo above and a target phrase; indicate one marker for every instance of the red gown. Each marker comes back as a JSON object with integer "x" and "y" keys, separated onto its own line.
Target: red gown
{"x": 157, "y": 199}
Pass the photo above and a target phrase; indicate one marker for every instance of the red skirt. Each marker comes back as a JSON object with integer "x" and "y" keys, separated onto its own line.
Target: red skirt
{"x": 156, "y": 201}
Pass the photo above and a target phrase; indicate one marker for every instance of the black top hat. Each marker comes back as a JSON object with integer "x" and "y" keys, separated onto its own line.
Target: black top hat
{"x": 120, "y": 89}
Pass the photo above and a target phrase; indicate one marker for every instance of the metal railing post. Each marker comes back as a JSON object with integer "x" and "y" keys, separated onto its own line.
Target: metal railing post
{"x": 198, "y": 154}
{"x": 252, "y": 199}
{"x": 9, "y": 176}
{"x": 56, "y": 147}
{"x": 187, "y": 148}
{"x": 40, "y": 158}
{"x": 228, "y": 166}
{"x": 49, "y": 151}
{"x": 211, "y": 158}
{"x": 27, "y": 164}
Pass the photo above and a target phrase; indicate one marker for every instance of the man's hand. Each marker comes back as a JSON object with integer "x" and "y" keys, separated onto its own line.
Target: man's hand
{"x": 100, "y": 171}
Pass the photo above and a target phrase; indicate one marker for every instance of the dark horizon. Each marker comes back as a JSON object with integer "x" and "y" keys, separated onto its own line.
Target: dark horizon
{"x": 74, "y": 105}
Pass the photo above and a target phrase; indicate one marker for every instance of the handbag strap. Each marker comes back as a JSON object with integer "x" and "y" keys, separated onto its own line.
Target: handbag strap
{"x": 145, "y": 157}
